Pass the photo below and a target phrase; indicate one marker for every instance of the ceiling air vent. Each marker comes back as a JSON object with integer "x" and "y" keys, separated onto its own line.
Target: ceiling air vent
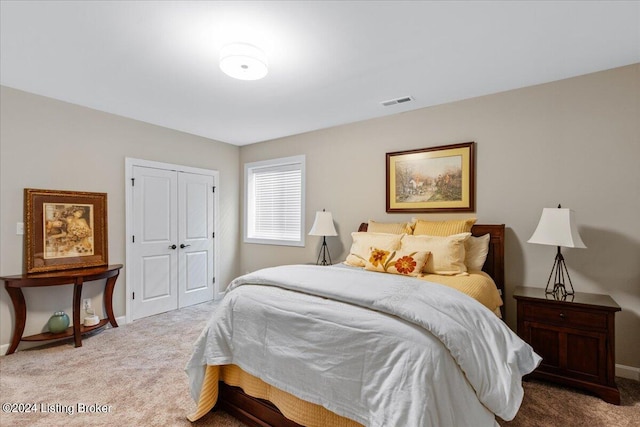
{"x": 401, "y": 100}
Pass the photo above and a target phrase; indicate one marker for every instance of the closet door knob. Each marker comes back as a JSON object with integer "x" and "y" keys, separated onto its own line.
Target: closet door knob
{"x": 182, "y": 246}
{"x": 172, "y": 247}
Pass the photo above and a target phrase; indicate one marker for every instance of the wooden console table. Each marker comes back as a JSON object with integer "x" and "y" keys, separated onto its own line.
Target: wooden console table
{"x": 14, "y": 285}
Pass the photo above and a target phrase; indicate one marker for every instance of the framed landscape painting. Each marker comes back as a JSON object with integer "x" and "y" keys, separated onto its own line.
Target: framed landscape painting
{"x": 64, "y": 230}
{"x": 436, "y": 179}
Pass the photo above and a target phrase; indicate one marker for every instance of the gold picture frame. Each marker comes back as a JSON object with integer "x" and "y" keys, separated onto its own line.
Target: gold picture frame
{"x": 64, "y": 230}
{"x": 436, "y": 179}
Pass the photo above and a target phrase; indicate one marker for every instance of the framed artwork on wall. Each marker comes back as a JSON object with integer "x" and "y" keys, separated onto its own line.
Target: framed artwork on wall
{"x": 64, "y": 230}
{"x": 436, "y": 179}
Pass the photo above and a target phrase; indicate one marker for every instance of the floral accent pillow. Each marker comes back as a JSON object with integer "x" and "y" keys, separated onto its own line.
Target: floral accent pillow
{"x": 396, "y": 262}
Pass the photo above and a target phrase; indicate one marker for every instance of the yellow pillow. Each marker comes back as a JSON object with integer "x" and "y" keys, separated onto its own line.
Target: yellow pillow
{"x": 396, "y": 262}
{"x": 443, "y": 228}
{"x": 389, "y": 227}
{"x": 447, "y": 252}
{"x": 476, "y": 250}
{"x": 364, "y": 241}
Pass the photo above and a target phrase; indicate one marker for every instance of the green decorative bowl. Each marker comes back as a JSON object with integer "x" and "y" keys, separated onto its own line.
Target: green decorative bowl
{"x": 59, "y": 322}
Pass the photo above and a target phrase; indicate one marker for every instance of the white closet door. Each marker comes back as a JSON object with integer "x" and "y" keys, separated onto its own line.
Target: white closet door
{"x": 195, "y": 236}
{"x": 155, "y": 245}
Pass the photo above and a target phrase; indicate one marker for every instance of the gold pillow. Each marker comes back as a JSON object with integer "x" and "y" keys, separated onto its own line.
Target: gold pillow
{"x": 476, "y": 250}
{"x": 364, "y": 241}
{"x": 396, "y": 262}
{"x": 443, "y": 228}
{"x": 389, "y": 227}
{"x": 447, "y": 252}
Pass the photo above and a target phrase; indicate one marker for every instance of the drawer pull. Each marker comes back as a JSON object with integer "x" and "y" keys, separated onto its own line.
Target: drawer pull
{"x": 562, "y": 315}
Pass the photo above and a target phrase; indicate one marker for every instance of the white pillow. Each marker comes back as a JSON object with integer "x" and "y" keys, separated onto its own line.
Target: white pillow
{"x": 364, "y": 241}
{"x": 476, "y": 249}
{"x": 447, "y": 252}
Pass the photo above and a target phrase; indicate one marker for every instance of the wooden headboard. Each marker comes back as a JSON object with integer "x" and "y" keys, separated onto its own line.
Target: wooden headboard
{"x": 494, "y": 265}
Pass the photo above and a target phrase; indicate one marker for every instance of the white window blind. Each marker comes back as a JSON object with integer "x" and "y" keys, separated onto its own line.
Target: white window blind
{"x": 274, "y": 203}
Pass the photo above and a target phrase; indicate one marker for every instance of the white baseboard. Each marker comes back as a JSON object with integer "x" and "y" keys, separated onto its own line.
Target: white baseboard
{"x": 628, "y": 372}
{"x": 122, "y": 320}
{"x": 3, "y": 349}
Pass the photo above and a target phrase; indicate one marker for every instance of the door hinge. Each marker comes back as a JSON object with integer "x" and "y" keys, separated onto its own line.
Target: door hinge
{"x": 134, "y": 295}
{"x": 214, "y": 280}
{"x": 213, "y": 235}
{"x": 133, "y": 182}
{"x": 214, "y": 188}
{"x": 133, "y": 239}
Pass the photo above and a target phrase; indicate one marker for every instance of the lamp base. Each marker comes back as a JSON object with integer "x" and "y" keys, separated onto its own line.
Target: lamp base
{"x": 324, "y": 252}
{"x": 559, "y": 291}
{"x": 558, "y": 271}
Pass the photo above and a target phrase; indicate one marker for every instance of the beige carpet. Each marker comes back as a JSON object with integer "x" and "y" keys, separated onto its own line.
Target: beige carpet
{"x": 136, "y": 373}
{"x": 547, "y": 405}
{"x": 136, "y": 369}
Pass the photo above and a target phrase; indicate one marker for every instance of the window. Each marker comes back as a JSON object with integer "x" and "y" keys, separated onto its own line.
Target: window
{"x": 274, "y": 201}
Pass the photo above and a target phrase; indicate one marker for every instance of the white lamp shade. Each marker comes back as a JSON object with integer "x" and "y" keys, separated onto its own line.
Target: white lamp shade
{"x": 557, "y": 227}
{"x": 323, "y": 225}
{"x": 243, "y": 61}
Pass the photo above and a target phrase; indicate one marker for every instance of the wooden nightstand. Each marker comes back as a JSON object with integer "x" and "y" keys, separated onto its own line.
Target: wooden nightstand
{"x": 575, "y": 338}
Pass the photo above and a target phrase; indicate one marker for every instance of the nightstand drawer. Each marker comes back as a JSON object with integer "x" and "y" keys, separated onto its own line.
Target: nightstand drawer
{"x": 563, "y": 316}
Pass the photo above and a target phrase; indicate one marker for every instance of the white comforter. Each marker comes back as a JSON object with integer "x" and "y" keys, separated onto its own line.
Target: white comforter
{"x": 381, "y": 349}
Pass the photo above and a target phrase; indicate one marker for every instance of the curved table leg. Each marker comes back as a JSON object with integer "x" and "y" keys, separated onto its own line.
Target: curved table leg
{"x": 108, "y": 299}
{"x": 77, "y": 296}
{"x": 20, "y": 308}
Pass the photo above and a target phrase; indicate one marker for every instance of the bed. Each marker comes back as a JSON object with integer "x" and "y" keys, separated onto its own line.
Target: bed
{"x": 253, "y": 380}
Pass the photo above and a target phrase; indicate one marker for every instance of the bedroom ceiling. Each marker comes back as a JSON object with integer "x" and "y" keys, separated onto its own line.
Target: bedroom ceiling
{"x": 330, "y": 63}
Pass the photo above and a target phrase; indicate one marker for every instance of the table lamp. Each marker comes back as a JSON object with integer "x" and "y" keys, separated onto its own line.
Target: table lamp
{"x": 323, "y": 226}
{"x": 557, "y": 227}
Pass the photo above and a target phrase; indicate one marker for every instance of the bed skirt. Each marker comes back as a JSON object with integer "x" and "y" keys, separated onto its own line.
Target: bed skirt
{"x": 295, "y": 409}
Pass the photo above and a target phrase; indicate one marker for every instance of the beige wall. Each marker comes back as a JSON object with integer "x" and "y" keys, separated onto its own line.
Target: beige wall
{"x": 50, "y": 144}
{"x": 575, "y": 142}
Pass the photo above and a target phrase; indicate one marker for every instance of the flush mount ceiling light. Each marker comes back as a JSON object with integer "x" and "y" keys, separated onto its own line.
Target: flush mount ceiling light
{"x": 243, "y": 61}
